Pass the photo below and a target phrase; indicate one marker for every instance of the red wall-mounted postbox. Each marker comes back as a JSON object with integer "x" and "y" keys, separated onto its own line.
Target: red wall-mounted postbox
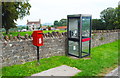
{"x": 37, "y": 38}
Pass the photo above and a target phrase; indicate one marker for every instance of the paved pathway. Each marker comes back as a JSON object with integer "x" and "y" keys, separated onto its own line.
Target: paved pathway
{"x": 59, "y": 71}
{"x": 115, "y": 72}
{"x": 67, "y": 71}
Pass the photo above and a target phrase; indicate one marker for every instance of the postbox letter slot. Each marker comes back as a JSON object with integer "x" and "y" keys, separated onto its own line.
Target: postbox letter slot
{"x": 40, "y": 33}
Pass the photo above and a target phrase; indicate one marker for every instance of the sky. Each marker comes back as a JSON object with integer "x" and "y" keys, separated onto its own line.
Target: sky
{"x": 50, "y": 10}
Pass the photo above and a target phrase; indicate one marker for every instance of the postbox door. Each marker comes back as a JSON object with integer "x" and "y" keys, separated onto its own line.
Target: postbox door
{"x": 37, "y": 38}
{"x": 34, "y": 41}
{"x": 38, "y": 41}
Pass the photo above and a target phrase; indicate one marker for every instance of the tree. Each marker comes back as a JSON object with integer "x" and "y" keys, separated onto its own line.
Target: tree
{"x": 108, "y": 16}
{"x": 62, "y": 22}
{"x": 98, "y": 24}
{"x": 11, "y": 11}
{"x": 117, "y": 22}
{"x": 23, "y": 27}
{"x": 56, "y": 23}
{"x": 27, "y": 28}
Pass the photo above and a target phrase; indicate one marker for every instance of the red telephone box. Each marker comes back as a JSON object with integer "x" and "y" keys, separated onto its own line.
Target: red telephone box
{"x": 37, "y": 38}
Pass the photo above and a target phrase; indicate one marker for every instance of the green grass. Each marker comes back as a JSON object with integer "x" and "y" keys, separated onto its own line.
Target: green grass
{"x": 16, "y": 33}
{"x": 30, "y": 32}
{"x": 104, "y": 56}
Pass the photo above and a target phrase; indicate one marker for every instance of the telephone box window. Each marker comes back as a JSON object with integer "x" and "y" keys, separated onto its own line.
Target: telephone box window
{"x": 73, "y": 48}
{"x": 73, "y": 28}
{"x": 85, "y": 26}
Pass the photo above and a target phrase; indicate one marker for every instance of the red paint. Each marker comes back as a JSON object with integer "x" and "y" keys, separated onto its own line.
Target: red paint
{"x": 85, "y": 39}
{"x": 37, "y": 38}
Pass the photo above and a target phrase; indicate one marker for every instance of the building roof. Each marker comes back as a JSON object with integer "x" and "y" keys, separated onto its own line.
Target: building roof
{"x": 33, "y": 22}
{"x": 44, "y": 26}
{"x": 61, "y": 27}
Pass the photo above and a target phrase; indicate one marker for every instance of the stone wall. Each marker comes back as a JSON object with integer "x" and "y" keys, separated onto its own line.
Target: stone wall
{"x": 103, "y": 38}
{"x": 19, "y": 51}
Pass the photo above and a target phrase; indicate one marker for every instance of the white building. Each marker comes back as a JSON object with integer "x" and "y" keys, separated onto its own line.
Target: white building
{"x": 33, "y": 25}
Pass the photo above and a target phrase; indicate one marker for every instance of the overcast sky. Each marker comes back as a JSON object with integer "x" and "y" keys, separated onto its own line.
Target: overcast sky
{"x": 50, "y": 10}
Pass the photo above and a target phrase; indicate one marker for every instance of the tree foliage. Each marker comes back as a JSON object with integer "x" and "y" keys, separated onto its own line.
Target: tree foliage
{"x": 98, "y": 24}
{"x": 109, "y": 17}
{"x": 11, "y": 11}
{"x": 62, "y": 22}
{"x": 56, "y": 23}
{"x": 118, "y": 17}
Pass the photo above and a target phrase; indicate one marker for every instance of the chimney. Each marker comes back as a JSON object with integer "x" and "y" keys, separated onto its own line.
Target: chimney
{"x": 40, "y": 21}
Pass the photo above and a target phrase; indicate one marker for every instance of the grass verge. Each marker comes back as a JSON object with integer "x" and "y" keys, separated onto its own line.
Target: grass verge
{"x": 30, "y": 32}
{"x": 107, "y": 70}
{"x": 102, "y": 57}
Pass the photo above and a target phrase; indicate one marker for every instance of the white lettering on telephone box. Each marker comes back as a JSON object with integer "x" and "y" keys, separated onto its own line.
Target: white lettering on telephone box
{"x": 40, "y": 41}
